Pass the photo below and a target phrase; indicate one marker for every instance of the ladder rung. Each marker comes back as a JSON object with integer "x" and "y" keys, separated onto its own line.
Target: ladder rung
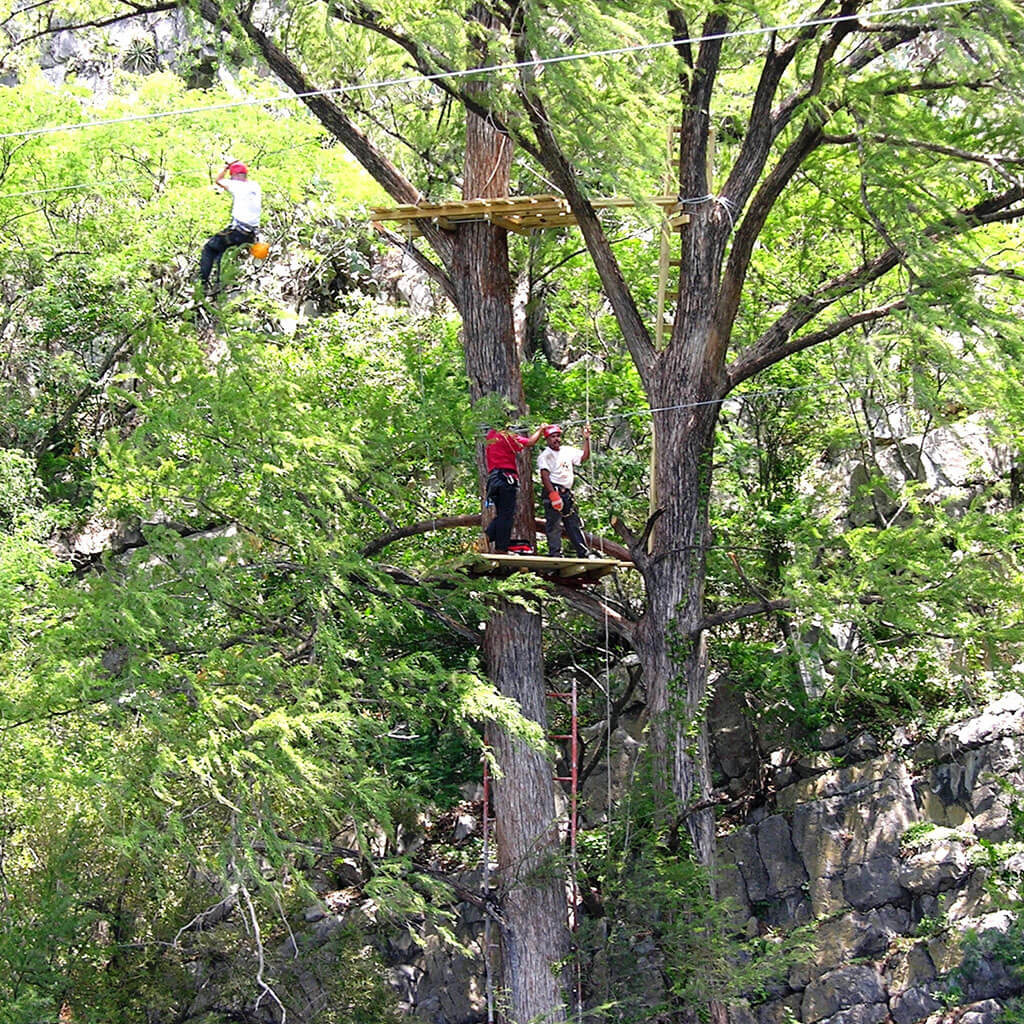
{"x": 562, "y": 778}
{"x": 559, "y": 735}
{"x": 553, "y": 694}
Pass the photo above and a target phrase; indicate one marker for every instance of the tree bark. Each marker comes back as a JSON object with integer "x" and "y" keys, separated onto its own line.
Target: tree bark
{"x": 669, "y": 641}
{"x": 475, "y": 257}
{"x": 532, "y": 880}
{"x": 534, "y": 911}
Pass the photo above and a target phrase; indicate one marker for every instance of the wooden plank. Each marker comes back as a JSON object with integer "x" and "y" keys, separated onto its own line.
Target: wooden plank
{"x": 470, "y": 208}
{"x": 570, "y": 570}
{"x": 513, "y": 225}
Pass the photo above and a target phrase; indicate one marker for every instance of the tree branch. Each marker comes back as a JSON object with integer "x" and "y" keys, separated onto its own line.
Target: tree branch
{"x": 429, "y": 267}
{"x": 591, "y": 605}
{"x": 775, "y": 344}
{"x": 995, "y": 161}
{"x": 415, "y": 529}
{"x": 109, "y": 361}
{"x": 550, "y": 154}
{"x": 378, "y": 544}
{"x": 743, "y": 611}
{"x": 137, "y": 10}
{"x": 742, "y": 181}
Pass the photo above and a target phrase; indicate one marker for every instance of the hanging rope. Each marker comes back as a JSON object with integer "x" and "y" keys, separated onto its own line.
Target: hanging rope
{"x": 486, "y": 824}
{"x": 533, "y": 63}
{"x": 607, "y": 703}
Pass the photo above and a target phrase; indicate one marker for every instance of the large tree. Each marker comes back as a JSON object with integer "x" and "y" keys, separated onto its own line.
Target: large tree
{"x": 865, "y": 165}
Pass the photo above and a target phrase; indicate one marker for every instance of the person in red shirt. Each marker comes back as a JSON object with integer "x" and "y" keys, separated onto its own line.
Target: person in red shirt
{"x": 500, "y": 450}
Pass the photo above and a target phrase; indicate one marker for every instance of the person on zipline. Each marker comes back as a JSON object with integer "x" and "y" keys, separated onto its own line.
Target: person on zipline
{"x": 500, "y": 450}
{"x": 556, "y": 464}
{"x": 246, "y": 202}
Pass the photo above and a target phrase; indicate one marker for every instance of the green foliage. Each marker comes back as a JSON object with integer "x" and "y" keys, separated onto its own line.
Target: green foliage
{"x": 204, "y": 719}
{"x": 353, "y": 978}
{"x": 660, "y": 923}
{"x": 19, "y": 488}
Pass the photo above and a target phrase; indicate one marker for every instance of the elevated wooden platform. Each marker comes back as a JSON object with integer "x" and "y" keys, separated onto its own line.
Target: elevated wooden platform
{"x": 521, "y": 214}
{"x": 562, "y": 570}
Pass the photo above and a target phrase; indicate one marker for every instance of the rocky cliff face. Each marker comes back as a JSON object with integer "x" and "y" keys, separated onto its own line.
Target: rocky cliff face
{"x": 903, "y": 864}
{"x": 904, "y": 861}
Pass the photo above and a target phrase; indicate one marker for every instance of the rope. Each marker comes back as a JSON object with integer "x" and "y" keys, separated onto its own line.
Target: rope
{"x": 486, "y": 879}
{"x": 607, "y": 720}
{"x": 389, "y": 83}
{"x": 642, "y": 411}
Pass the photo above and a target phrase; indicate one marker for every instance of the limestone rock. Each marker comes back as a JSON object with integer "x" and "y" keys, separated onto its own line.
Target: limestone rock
{"x": 937, "y": 867}
{"x": 855, "y": 985}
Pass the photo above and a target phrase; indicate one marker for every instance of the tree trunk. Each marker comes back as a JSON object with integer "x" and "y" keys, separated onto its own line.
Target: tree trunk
{"x": 532, "y": 878}
{"x": 534, "y": 924}
{"x": 673, "y": 653}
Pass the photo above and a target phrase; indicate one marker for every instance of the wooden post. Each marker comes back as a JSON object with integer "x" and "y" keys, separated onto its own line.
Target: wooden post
{"x": 665, "y": 239}
{"x": 709, "y": 166}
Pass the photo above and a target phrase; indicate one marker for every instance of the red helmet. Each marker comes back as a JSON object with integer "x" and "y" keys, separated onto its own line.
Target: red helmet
{"x": 237, "y": 168}
{"x": 552, "y": 429}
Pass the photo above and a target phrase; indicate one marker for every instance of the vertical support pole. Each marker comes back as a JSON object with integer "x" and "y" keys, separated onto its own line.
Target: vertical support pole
{"x": 665, "y": 237}
{"x": 709, "y": 165}
{"x": 486, "y": 875}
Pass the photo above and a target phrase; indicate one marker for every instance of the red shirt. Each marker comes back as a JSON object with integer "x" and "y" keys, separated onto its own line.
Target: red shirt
{"x": 500, "y": 449}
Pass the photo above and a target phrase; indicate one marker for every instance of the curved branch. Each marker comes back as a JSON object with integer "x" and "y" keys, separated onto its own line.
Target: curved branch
{"x": 137, "y": 10}
{"x": 777, "y": 342}
{"x": 596, "y": 541}
{"x": 743, "y": 611}
{"x": 747, "y": 368}
{"x": 416, "y": 529}
{"x": 591, "y": 605}
{"x": 995, "y": 161}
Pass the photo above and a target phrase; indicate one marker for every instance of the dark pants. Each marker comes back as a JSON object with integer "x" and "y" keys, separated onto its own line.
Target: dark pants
{"x": 569, "y": 519}
{"x": 217, "y": 246}
{"x": 502, "y": 489}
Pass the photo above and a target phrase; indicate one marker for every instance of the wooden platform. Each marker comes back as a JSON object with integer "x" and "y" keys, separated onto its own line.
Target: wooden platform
{"x": 562, "y": 570}
{"x": 521, "y": 214}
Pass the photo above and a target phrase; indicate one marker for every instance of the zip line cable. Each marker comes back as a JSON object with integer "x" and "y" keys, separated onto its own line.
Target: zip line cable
{"x": 640, "y": 411}
{"x": 64, "y": 188}
{"x": 440, "y": 76}
{"x": 196, "y": 177}
{"x": 740, "y": 397}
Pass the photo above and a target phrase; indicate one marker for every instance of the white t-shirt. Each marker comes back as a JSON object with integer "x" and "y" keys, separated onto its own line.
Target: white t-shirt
{"x": 246, "y": 201}
{"x": 559, "y": 464}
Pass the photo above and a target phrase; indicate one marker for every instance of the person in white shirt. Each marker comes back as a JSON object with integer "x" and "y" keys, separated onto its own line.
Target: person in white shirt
{"x": 246, "y": 203}
{"x": 556, "y": 464}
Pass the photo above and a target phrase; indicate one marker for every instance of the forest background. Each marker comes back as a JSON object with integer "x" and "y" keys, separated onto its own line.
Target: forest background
{"x": 212, "y": 694}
